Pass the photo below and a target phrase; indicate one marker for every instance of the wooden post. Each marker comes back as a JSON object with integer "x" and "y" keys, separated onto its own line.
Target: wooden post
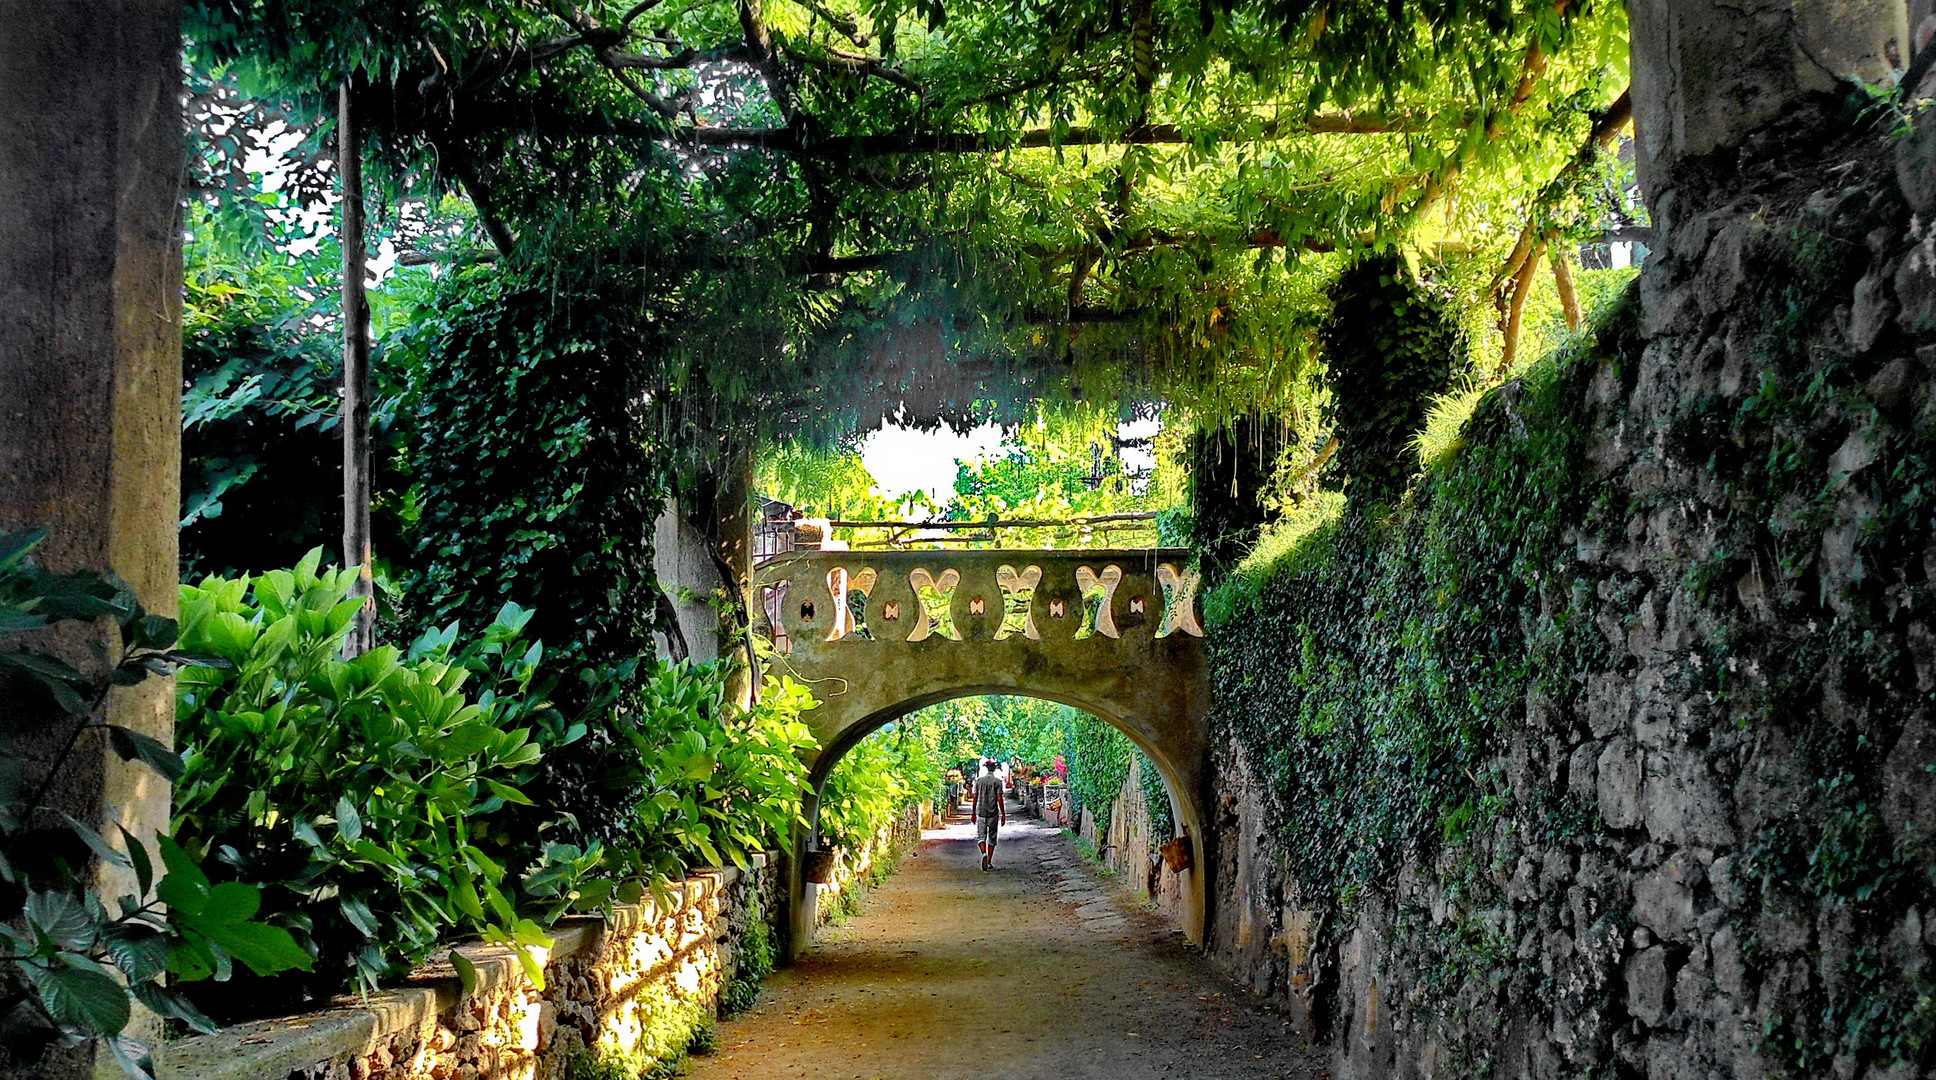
{"x": 356, "y": 375}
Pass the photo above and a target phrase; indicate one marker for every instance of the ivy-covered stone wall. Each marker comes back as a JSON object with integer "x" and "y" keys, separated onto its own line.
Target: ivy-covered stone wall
{"x": 622, "y": 997}
{"x": 1608, "y": 750}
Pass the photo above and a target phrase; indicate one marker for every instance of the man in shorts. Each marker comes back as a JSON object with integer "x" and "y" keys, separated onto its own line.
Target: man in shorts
{"x": 991, "y": 813}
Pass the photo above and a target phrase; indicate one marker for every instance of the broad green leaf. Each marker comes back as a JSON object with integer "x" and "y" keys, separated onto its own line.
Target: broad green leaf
{"x": 349, "y": 824}
{"x": 60, "y": 919}
{"x": 75, "y": 991}
{"x": 263, "y": 948}
{"x": 232, "y": 902}
{"x": 466, "y": 971}
{"x": 132, "y": 745}
{"x": 508, "y": 793}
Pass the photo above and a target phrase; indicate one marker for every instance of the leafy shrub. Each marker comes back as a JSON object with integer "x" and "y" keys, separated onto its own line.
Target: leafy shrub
{"x": 383, "y": 811}
{"x": 72, "y": 960}
{"x": 1098, "y": 757}
{"x": 1390, "y": 346}
{"x": 668, "y": 776}
{"x": 352, "y": 791}
{"x": 870, "y": 786}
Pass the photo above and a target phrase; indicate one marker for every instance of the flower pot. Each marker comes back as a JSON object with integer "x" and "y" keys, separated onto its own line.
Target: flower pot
{"x": 1177, "y": 854}
{"x": 819, "y": 866}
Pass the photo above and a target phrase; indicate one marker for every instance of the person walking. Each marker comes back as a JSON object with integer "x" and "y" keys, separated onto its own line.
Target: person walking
{"x": 991, "y": 812}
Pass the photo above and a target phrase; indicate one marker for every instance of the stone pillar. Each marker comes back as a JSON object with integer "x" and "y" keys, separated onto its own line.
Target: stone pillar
{"x": 799, "y": 891}
{"x": 686, "y": 572}
{"x": 734, "y": 506}
{"x": 1708, "y": 73}
{"x": 91, "y": 159}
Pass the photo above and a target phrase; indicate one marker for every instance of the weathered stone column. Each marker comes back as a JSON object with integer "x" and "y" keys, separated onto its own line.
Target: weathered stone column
{"x": 1708, "y": 73}
{"x": 91, "y": 160}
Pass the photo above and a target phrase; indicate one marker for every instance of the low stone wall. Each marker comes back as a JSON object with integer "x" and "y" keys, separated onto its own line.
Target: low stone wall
{"x": 1131, "y": 848}
{"x": 632, "y": 989}
{"x": 855, "y": 871}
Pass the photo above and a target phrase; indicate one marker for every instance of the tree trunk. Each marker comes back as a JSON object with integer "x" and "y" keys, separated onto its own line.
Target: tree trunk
{"x": 1515, "y": 315}
{"x": 91, "y": 162}
{"x": 1563, "y": 282}
{"x": 356, "y": 376}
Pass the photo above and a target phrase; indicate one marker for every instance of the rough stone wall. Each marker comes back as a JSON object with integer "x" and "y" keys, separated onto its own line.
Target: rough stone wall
{"x": 1130, "y": 847}
{"x": 633, "y": 990}
{"x": 856, "y": 871}
{"x": 1712, "y": 854}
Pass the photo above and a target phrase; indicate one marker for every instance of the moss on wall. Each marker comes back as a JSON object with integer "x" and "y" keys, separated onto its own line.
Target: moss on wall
{"x": 1611, "y": 743}
{"x": 1391, "y": 645}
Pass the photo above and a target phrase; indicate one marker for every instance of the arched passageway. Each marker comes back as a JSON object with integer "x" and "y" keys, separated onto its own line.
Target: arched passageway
{"x": 879, "y": 635}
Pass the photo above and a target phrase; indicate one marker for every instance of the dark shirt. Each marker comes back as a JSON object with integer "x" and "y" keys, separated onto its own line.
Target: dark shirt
{"x": 988, "y": 794}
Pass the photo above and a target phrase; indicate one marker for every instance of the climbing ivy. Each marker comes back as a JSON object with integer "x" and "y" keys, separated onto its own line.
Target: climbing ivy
{"x": 1368, "y": 682}
{"x": 1390, "y": 345}
{"x": 534, "y": 471}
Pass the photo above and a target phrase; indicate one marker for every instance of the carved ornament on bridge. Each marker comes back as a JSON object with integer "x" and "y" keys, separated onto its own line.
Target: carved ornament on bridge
{"x": 1106, "y": 609}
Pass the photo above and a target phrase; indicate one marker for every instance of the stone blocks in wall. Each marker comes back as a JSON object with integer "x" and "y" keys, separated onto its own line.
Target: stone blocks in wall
{"x": 1669, "y": 886}
{"x": 853, "y": 868}
{"x": 1131, "y": 847}
{"x": 634, "y": 987}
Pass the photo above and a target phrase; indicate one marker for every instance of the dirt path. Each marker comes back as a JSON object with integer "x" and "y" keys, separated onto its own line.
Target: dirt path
{"x": 1035, "y": 970}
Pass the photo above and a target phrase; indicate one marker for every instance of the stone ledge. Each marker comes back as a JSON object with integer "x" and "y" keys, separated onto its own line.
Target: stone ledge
{"x": 276, "y": 1049}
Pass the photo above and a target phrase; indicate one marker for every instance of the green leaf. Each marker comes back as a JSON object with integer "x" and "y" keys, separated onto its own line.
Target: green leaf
{"x": 44, "y": 666}
{"x": 139, "y": 950}
{"x": 75, "y": 991}
{"x": 466, "y": 971}
{"x": 265, "y": 949}
{"x": 349, "y": 824}
{"x": 133, "y": 1057}
{"x": 132, "y": 746}
{"x": 61, "y": 919}
{"x": 99, "y": 844}
{"x": 153, "y": 632}
{"x": 357, "y": 911}
{"x": 184, "y": 888}
{"x": 232, "y": 902}
{"x": 144, "y": 871}
{"x": 166, "y": 1002}
{"x": 508, "y": 793}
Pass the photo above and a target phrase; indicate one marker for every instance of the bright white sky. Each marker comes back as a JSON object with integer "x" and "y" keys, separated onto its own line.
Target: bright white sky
{"x": 903, "y": 460}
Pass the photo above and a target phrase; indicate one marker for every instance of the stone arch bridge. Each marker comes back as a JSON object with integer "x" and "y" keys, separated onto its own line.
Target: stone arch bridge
{"x": 880, "y": 634}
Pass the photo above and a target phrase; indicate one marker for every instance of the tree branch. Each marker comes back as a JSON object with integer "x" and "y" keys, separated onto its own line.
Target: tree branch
{"x": 1563, "y": 283}
{"x": 1606, "y": 128}
{"x": 759, "y": 47}
{"x": 969, "y": 142}
{"x": 480, "y": 196}
{"x": 854, "y": 65}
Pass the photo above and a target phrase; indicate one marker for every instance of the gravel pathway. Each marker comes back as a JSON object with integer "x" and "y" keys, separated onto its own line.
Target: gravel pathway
{"x": 1038, "y": 969}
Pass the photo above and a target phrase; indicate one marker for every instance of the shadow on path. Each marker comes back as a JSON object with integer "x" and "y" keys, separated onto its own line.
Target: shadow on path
{"x": 1033, "y": 970}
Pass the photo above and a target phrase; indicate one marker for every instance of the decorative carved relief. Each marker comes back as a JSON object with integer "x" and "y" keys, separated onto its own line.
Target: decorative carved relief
{"x": 937, "y": 597}
{"x": 850, "y": 592}
{"x": 1098, "y": 601}
{"x": 977, "y": 606}
{"x": 891, "y": 611}
{"x": 1018, "y": 602}
{"x": 1179, "y": 601}
{"x": 1058, "y": 609}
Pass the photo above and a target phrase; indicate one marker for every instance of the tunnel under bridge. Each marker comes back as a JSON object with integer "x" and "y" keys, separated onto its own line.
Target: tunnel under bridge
{"x": 880, "y": 634}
